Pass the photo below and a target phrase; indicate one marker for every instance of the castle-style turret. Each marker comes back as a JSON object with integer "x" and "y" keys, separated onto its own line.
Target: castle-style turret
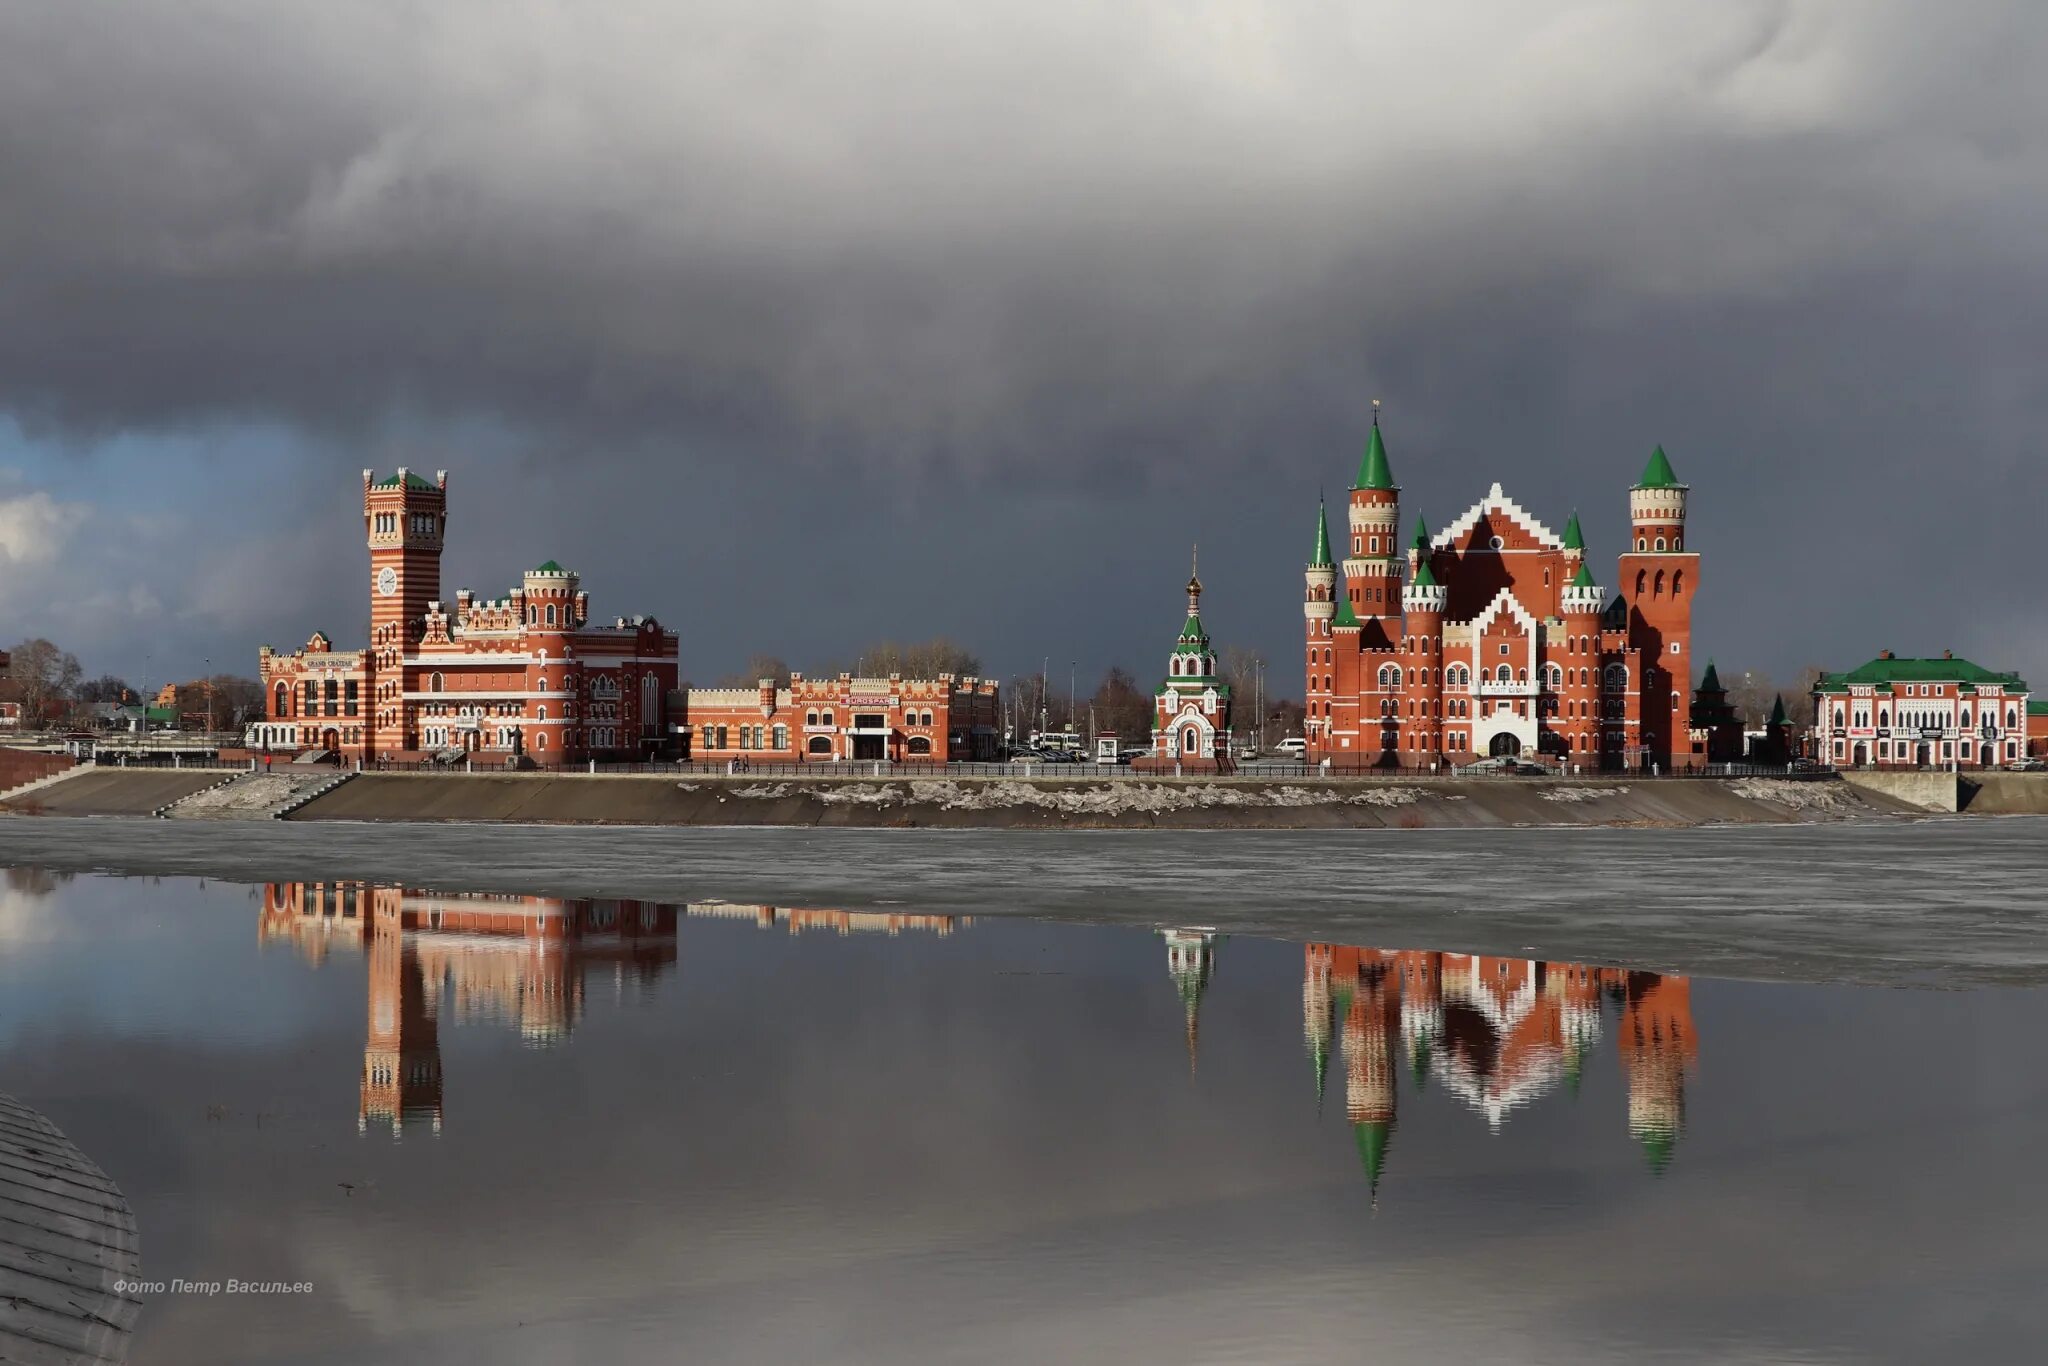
{"x": 405, "y": 520}
{"x": 1656, "y": 507}
{"x": 1422, "y": 603}
{"x": 1372, "y": 569}
{"x": 1320, "y": 577}
{"x": 1659, "y": 579}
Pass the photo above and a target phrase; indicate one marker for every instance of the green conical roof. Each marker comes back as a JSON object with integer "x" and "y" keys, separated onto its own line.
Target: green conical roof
{"x": 1657, "y": 1146}
{"x": 1423, "y": 578}
{"x": 1657, "y": 474}
{"x": 1573, "y": 540}
{"x": 1372, "y": 1149}
{"x": 1584, "y": 578}
{"x": 1373, "y": 471}
{"x": 1345, "y": 616}
{"x": 549, "y": 567}
{"x": 1711, "y": 682}
{"x": 1778, "y": 717}
{"x": 1321, "y": 559}
{"x": 1421, "y": 541}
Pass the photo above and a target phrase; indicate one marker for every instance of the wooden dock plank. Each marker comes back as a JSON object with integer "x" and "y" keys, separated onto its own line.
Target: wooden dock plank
{"x": 67, "y": 1236}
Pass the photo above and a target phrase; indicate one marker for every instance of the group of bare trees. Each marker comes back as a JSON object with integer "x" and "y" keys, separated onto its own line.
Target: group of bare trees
{"x": 1753, "y": 694}
{"x": 51, "y": 687}
{"x": 926, "y": 659}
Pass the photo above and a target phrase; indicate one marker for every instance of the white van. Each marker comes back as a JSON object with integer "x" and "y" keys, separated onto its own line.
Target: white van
{"x": 1293, "y": 747}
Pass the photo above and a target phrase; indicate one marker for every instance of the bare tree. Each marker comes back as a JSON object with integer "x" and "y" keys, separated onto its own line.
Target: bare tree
{"x": 41, "y": 676}
{"x": 236, "y": 700}
{"x": 1751, "y": 693}
{"x": 929, "y": 659}
{"x": 105, "y": 688}
{"x": 1799, "y": 701}
{"x": 1120, "y": 705}
{"x": 759, "y": 666}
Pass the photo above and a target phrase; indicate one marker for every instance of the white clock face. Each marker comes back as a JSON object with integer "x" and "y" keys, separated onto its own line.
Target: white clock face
{"x": 387, "y": 581}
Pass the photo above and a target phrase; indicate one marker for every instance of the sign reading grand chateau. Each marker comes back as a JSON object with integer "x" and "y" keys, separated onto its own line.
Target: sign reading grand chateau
{"x": 523, "y": 674}
{"x": 1491, "y": 636}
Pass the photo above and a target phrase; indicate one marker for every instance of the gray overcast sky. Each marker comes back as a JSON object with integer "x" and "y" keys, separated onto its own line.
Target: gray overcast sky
{"x": 803, "y": 325}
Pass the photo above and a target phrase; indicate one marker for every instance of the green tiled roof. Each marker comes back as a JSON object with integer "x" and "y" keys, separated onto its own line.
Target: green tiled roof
{"x": 1883, "y": 672}
{"x": 1573, "y": 540}
{"x": 1373, "y": 471}
{"x": 2037, "y": 706}
{"x": 1584, "y": 578}
{"x": 1345, "y": 616}
{"x": 549, "y": 567}
{"x": 1322, "y": 555}
{"x": 1657, "y": 474}
{"x": 1423, "y": 578}
{"x": 408, "y": 479}
{"x": 1778, "y": 717}
{"x": 1421, "y": 541}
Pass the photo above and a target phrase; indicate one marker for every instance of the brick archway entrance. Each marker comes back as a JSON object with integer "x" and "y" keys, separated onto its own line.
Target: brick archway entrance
{"x": 1505, "y": 745}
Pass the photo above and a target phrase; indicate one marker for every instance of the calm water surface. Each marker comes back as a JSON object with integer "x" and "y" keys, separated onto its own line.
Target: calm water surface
{"x": 511, "y": 1129}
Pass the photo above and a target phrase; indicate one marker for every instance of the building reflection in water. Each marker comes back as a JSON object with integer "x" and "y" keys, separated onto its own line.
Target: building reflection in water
{"x": 1498, "y": 1032}
{"x": 520, "y": 961}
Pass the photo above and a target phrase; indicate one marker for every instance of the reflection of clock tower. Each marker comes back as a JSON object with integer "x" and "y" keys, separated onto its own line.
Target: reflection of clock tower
{"x": 406, "y": 519}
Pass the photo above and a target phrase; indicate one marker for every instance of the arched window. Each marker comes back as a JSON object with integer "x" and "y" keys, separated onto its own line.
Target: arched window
{"x": 1390, "y": 678}
{"x": 1617, "y": 678}
{"x": 434, "y": 683}
{"x": 1660, "y": 543}
{"x": 920, "y": 745}
{"x": 1553, "y": 677}
{"x": 1677, "y": 582}
{"x": 1642, "y": 581}
{"x": 551, "y": 614}
{"x": 541, "y": 685}
{"x": 540, "y": 742}
{"x": 1884, "y": 716}
{"x": 1639, "y": 543}
{"x": 542, "y": 715}
{"x": 1658, "y": 591}
{"x": 1503, "y": 674}
{"x": 650, "y": 699}
{"x": 2011, "y": 718}
{"x": 1190, "y": 740}
{"x": 284, "y": 701}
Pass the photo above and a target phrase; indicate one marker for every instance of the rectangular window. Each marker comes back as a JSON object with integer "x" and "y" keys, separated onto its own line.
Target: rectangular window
{"x": 349, "y": 693}
{"x": 721, "y": 737}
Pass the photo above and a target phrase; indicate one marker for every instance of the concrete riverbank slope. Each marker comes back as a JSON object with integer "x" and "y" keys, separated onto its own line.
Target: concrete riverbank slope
{"x": 1125, "y": 803}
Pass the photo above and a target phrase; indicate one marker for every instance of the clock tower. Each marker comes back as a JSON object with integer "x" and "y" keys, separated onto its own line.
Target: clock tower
{"x": 406, "y": 520}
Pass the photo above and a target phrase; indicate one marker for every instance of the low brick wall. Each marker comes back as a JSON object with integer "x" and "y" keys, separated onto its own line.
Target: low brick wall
{"x": 18, "y": 766}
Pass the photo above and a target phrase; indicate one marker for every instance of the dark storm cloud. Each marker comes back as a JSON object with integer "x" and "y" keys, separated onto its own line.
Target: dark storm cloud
{"x": 853, "y": 271}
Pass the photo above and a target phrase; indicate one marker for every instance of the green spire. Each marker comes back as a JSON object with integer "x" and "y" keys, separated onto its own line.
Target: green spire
{"x": 1345, "y": 616}
{"x": 1584, "y": 578}
{"x": 1421, "y": 541}
{"x": 1778, "y": 717}
{"x": 1712, "y": 681}
{"x": 1657, "y": 1146}
{"x": 1657, "y": 474}
{"x": 1373, "y": 471}
{"x": 1372, "y": 1151}
{"x": 1572, "y": 539}
{"x": 1423, "y": 578}
{"x": 1321, "y": 559}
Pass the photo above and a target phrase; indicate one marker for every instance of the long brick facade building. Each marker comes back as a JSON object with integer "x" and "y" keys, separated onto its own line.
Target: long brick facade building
{"x": 826, "y": 720}
{"x": 1918, "y": 713}
{"x": 525, "y": 674}
{"x": 1492, "y": 636}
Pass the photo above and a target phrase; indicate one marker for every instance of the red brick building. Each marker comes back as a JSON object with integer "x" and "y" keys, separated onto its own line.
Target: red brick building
{"x": 528, "y": 673}
{"x": 1917, "y": 713}
{"x": 829, "y": 720}
{"x": 1492, "y": 637}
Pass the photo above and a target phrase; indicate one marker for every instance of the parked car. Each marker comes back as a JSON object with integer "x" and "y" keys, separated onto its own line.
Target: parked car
{"x": 1502, "y": 764}
{"x": 1125, "y": 756}
{"x": 2028, "y": 765}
